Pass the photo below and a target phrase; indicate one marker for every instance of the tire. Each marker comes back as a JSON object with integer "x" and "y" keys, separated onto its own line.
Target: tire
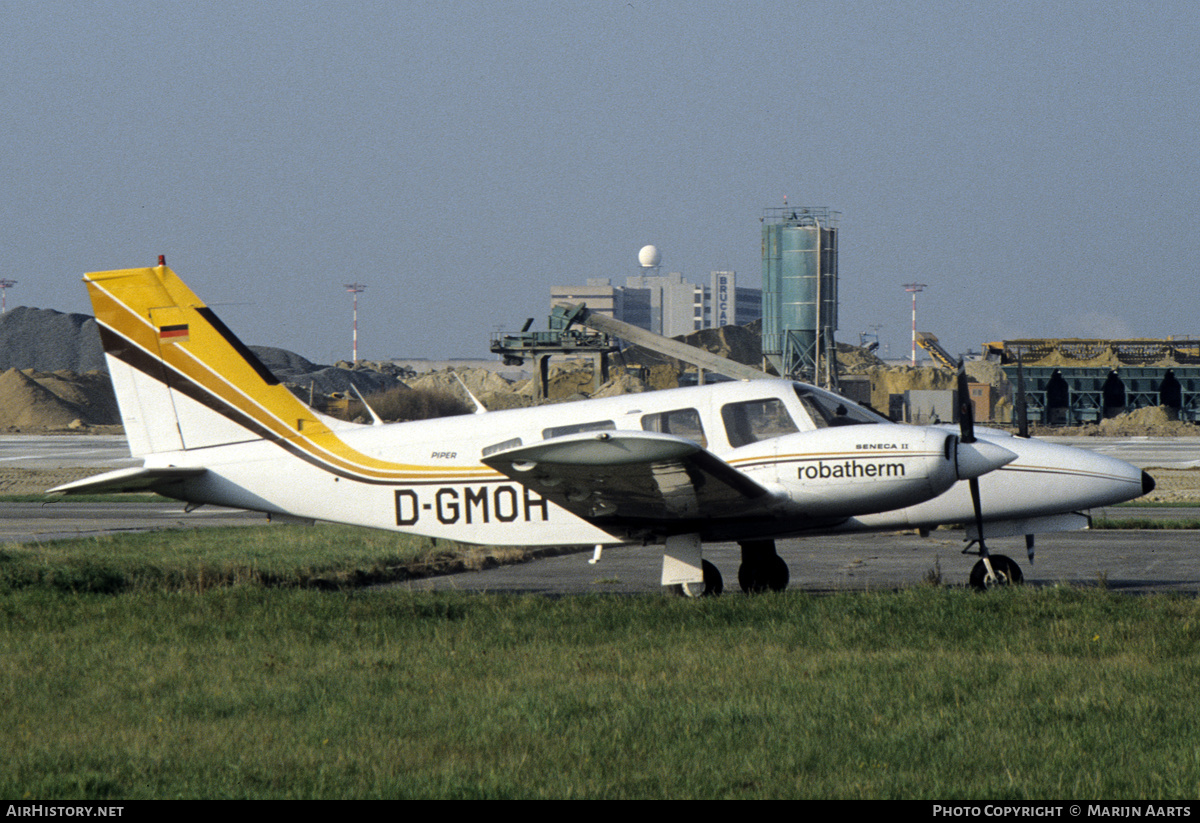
{"x": 768, "y": 574}
{"x": 712, "y": 585}
{"x": 1008, "y": 573}
{"x": 777, "y": 574}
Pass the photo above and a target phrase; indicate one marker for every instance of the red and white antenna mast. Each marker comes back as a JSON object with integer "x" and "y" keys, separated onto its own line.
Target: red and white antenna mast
{"x": 5, "y": 285}
{"x": 355, "y": 289}
{"x": 914, "y": 289}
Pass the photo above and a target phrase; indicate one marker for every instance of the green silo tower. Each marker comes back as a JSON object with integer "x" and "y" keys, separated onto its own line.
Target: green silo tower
{"x": 799, "y": 258}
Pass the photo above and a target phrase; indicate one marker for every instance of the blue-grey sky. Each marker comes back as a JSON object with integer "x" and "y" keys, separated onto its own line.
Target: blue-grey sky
{"x": 1036, "y": 164}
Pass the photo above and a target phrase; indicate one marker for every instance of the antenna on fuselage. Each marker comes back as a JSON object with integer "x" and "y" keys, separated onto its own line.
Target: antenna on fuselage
{"x": 479, "y": 407}
{"x": 375, "y": 419}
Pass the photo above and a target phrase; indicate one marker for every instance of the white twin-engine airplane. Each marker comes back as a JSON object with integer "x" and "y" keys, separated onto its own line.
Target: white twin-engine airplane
{"x": 750, "y": 461}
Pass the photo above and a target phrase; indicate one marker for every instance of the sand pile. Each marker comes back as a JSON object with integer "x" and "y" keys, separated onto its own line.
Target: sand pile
{"x": 1107, "y": 359}
{"x": 661, "y": 376}
{"x": 567, "y": 380}
{"x": 621, "y": 384}
{"x": 742, "y": 344}
{"x": 478, "y": 381}
{"x": 856, "y": 360}
{"x": 493, "y": 391}
{"x": 575, "y": 382}
{"x": 498, "y": 401}
{"x": 1151, "y": 421}
{"x": 39, "y": 400}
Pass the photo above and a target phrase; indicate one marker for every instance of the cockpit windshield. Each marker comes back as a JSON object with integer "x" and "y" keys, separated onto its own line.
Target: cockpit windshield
{"x": 827, "y": 410}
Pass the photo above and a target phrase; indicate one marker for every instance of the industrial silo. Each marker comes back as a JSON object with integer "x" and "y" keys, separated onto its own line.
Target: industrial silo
{"x": 799, "y": 251}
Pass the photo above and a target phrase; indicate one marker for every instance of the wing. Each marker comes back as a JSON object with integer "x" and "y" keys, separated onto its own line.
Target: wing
{"x": 634, "y": 478}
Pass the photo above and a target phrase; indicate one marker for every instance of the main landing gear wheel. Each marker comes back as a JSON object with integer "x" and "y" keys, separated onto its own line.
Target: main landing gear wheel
{"x": 712, "y": 585}
{"x": 763, "y": 575}
{"x": 1007, "y": 573}
{"x": 762, "y": 569}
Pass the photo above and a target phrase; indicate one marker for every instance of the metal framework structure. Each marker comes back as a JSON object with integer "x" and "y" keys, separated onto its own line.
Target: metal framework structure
{"x": 937, "y": 354}
{"x": 1132, "y": 352}
{"x": 1077, "y": 395}
{"x": 540, "y": 346}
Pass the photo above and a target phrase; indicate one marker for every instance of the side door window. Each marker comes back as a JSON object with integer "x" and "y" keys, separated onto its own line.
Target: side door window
{"x": 680, "y": 422}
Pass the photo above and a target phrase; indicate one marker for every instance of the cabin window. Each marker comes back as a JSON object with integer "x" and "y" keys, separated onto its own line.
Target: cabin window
{"x": 756, "y": 420}
{"x": 829, "y": 410}
{"x": 576, "y": 428}
{"x": 679, "y": 422}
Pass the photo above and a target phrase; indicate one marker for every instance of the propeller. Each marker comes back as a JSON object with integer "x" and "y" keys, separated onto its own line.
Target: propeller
{"x": 974, "y": 458}
{"x": 1023, "y": 429}
{"x": 1022, "y": 410}
{"x": 966, "y": 422}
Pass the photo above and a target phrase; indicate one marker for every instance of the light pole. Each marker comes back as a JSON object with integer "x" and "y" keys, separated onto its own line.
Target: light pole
{"x": 355, "y": 289}
{"x": 914, "y": 289}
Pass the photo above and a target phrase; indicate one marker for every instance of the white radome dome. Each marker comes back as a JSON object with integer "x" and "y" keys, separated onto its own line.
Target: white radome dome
{"x": 649, "y": 257}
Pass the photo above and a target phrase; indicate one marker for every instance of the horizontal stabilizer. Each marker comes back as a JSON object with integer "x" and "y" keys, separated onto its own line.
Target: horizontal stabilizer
{"x": 128, "y": 480}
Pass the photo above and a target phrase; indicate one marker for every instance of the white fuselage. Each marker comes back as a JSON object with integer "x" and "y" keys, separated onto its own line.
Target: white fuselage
{"x": 861, "y": 474}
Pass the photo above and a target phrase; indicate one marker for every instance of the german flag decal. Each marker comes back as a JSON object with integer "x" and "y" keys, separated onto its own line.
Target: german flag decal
{"x": 173, "y": 334}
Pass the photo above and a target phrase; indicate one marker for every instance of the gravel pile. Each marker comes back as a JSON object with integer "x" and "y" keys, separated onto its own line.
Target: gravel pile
{"x": 305, "y": 376}
{"x": 46, "y": 340}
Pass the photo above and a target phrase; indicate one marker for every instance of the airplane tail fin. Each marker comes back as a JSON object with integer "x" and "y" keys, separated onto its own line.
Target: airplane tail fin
{"x": 183, "y": 380}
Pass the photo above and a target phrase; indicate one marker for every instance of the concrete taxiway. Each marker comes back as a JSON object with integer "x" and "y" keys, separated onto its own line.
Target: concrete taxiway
{"x": 56, "y": 451}
{"x": 1141, "y": 562}
{"x": 38, "y": 522}
{"x": 1143, "y": 452}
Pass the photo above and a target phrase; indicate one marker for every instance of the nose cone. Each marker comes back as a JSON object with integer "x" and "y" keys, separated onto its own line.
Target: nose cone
{"x": 979, "y": 458}
{"x": 1076, "y": 479}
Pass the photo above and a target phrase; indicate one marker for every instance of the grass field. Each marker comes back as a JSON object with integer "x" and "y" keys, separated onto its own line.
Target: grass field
{"x": 323, "y": 556}
{"x": 298, "y": 684}
{"x": 1142, "y": 523}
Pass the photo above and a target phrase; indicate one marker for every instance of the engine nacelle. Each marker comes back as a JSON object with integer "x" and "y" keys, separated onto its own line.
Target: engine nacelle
{"x": 844, "y": 471}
